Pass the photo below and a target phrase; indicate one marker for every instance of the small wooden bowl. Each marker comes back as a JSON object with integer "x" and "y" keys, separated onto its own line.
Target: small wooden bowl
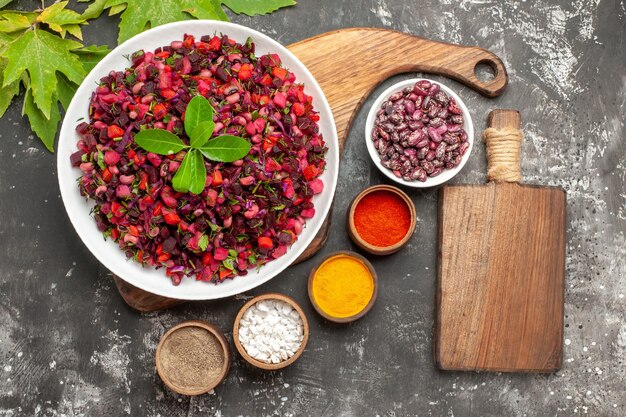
{"x": 380, "y": 250}
{"x": 369, "y": 305}
{"x": 215, "y": 331}
{"x": 263, "y": 365}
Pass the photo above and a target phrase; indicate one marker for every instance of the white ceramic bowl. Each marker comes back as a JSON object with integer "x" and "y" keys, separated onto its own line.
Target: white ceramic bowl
{"x": 107, "y": 252}
{"x": 447, "y": 174}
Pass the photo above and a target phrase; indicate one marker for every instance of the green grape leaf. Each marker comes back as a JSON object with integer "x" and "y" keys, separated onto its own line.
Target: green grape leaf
{"x": 8, "y": 92}
{"x": 12, "y": 21}
{"x": 256, "y": 7}
{"x": 94, "y": 10}
{"x": 90, "y": 55}
{"x": 66, "y": 90}
{"x": 44, "y": 127}
{"x": 198, "y": 110}
{"x": 47, "y": 55}
{"x": 191, "y": 174}
{"x": 136, "y": 17}
{"x": 159, "y": 141}
{"x": 225, "y": 148}
{"x": 58, "y": 18}
{"x": 201, "y": 134}
{"x": 73, "y": 30}
{"x": 117, "y": 9}
{"x": 207, "y": 9}
{"x": 5, "y": 39}
{"x": 4, "y": 2}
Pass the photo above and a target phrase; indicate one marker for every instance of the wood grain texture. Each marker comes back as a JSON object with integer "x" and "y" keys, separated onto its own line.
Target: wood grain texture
{"x": 501, "y": 266}
{"x": 348, "y": 64}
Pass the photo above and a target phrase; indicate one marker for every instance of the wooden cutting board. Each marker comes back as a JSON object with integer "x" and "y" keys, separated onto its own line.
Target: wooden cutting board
{"x": 500, "y": 273}
{"x": 348, "y": 64}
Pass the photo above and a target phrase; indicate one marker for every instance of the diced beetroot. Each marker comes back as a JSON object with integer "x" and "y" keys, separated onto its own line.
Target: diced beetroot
{"x": 271, "y": 165}
{"x": 279, "y": 251}
{"x": 280, "y": 100}
{"x": 317, "y": 186}
{"x": 308, "y": 213}
{"x": 220, "y": 254}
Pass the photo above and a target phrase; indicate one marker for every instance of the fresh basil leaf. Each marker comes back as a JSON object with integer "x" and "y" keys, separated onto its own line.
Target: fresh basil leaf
{"x": 225, "y": 148}
{"x": 159, "y": 141}
{"x": 198, "y": 110}
{"x": 198, "y": 172}
{"x": 201, "y": 134}
{"x": 182, "y": 179}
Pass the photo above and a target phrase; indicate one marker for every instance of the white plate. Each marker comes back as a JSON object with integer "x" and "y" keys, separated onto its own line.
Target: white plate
{"x": 447, "y": 174}
{"x": 107, "y": 252}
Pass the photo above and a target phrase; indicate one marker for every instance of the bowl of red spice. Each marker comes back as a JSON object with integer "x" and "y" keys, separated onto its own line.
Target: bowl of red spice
{"x": 381, "y": 219}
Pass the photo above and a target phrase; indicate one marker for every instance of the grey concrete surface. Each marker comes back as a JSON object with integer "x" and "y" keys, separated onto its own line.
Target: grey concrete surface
{"x": 69, "y": 346}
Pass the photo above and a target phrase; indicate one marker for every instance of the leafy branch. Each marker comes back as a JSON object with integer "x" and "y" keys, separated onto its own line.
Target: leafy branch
{"x": 42, "y": 53}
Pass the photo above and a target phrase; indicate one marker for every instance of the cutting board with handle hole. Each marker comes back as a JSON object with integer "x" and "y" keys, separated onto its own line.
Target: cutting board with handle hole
{"x": 348, "y": 64}
{"x": 501, "y": 266}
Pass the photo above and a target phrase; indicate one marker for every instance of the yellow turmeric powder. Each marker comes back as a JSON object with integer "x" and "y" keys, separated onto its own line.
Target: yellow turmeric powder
{"x": 342, "y": 286}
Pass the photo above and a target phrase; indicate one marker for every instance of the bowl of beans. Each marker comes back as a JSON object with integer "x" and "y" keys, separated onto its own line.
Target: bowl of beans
{"x": 419, "y": 133}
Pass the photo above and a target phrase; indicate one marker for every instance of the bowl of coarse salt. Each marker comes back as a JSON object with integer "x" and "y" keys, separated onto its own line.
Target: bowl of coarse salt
{"x": 271, "y": 331}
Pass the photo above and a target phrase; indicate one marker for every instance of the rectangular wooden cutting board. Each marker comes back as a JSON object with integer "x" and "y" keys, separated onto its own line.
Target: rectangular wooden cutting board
{"x": 500, "y": 274}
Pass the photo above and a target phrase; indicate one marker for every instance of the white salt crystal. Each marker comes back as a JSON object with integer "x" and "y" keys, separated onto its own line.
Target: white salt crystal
{"x": 271, "y": 331}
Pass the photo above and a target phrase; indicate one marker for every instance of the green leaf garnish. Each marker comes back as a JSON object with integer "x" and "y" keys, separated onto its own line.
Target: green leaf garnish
{"x": 198, "y": 110}
{"x": 226, "y": 148}
{"x": 201, "y": 134}
{"x": 198, "y": 173}
{"x": 203, "y": 242}
{"x": 191, "y": 175}
{"x": 182, "y": 178}
{"x": 159, "y": 141}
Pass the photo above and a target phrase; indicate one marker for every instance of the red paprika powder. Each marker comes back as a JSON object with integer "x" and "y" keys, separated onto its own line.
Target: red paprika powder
{"x": 382, "y": 218}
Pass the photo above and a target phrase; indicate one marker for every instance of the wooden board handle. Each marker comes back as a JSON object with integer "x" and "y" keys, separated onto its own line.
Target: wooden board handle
{"x": 503, "y": 139}
{"x": 349, "y": 63}
{"x": 391, "y": 52}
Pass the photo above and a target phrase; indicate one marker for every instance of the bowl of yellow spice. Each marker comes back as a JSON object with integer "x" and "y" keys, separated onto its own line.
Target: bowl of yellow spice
{"x": 343, "y": 287}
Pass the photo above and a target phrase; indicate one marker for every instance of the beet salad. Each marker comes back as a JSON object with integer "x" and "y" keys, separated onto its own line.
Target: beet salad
{"x": 250, "y": 210}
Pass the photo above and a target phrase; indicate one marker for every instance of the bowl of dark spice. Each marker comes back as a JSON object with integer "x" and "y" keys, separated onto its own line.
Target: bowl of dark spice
{"x": 271, "y": 331}
{"x": 419, "y": 133}
{"x": 381, "y": 219}
{"x": 193, "y": 357}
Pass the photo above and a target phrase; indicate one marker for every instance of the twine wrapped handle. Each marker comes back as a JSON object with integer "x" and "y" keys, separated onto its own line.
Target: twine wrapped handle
{"x": 503, "y": 139}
